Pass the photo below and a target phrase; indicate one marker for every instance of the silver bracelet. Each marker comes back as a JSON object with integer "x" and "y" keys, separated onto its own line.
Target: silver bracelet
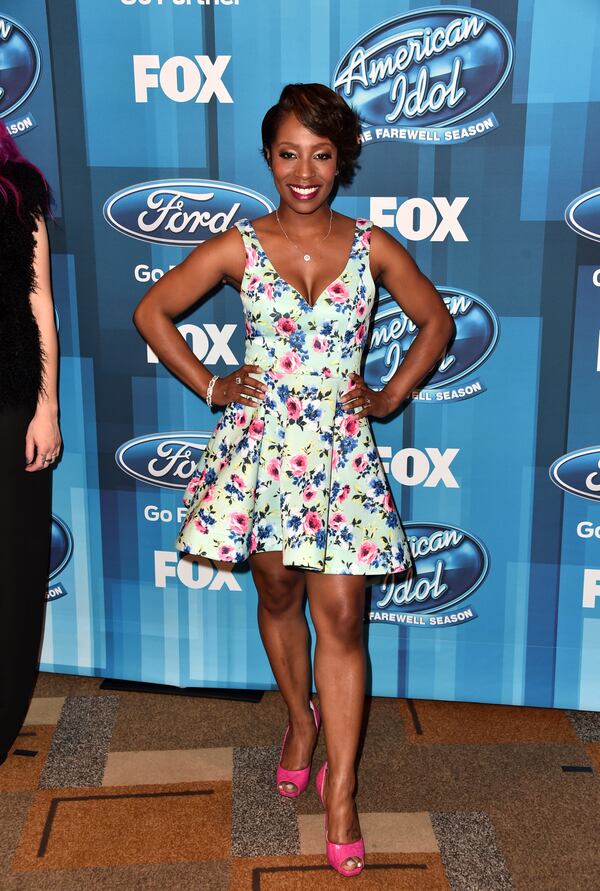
{"x": 209, "y": 389}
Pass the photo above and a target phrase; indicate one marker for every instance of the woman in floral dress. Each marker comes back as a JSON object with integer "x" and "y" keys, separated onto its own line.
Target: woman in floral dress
{"x": 291, "y": 479}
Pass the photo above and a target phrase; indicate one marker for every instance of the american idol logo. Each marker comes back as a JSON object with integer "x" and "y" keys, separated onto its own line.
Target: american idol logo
{"x": 61, "y": 550}
{"x": 416, "y": 77}
{"x": 19, "y": 71}
{"x": 162, "y": 459}
{"x": 181, "y": 211}
{"x": 578, "y": 473}
{"x": 583, "y": 215}
{"x": 450, "y": 565}
{"x": 477, "y": 330}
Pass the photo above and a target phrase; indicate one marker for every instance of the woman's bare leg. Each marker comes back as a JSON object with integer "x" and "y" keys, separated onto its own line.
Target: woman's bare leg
{"x": 337, "y": 610}
{"x": 284, "y": 632}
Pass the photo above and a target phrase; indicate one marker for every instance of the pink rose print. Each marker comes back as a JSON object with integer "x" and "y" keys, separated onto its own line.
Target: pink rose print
{"x": 285, "y": 326}
{"x": 335, "y": 457}
{"x": 320, "y": 344}
{"x": 200, "y": 525}
{"x": 255, "y": 430}
{"x": 327, "y": 372}
{"x": 294, "y": 408}
{"x": 241, "y": 418}
{"x": 338, "y": 292}
{"x": 360, "y": 334}
{"x": 253, "y": 542}
{"x": 310, "y": 493}
{"x": 223, "y": 463}
{"x": 298, "y": 464}
{"x": 387, "y": 501}
{"x": 349, "y": 425}
{"x": 226, "y": 552}
{"x": 209, "y": 495}
{"x": 247, "y": 328}
{"x": 365, "y": 239}
{"x": 367, "y": 552}
{"x": 237, "y": 480}
{"x": 193, "y": 484}
{"x": 251, "y": 257}
{"x": 289, "y": 362}
{"x": 254, "y": 281}
{"x": 337, "y": 520}
{"x": 361, "y": 307}
{"x": 312, "y": 522}
{"x": 238, "y": 521}
{"x": 268, "y": 291}
{"x": 273, "y": 467}
{"x": 359, "y": 462}
{"x": 344, "y": 492}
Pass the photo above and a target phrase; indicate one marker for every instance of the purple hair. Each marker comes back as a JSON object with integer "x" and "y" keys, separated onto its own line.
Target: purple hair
{"x": 10, "y": 152}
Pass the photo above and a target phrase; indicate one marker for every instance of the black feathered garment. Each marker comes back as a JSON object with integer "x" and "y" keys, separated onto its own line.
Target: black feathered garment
{"x": 20, "y": 349}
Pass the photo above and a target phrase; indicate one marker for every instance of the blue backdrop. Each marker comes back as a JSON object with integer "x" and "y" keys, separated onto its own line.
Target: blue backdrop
{"x": 480, "y": 156}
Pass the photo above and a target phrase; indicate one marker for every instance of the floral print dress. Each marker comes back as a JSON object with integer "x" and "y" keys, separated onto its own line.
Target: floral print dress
{"x": 298, "y": 473}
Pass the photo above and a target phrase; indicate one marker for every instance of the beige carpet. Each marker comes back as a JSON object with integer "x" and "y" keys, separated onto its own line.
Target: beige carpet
{"x": 145, "y": 791}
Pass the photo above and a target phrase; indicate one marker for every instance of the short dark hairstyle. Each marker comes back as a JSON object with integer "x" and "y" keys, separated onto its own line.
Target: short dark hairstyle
{"x": 323, "y": 112}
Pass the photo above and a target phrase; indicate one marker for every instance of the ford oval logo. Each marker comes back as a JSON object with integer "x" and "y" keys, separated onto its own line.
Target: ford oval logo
{"x": 19, "y": 65}
{"x": 61, "y": 546}
{"x": 393, "y": 332}
{"x": 450, "y": 565}
{"x": 583, "y": 215}
{"x": 426, "y": 69}
{"x": 181, "y": 211}
{"x": 579, "y": 473}
{"x": 162, "y": 459}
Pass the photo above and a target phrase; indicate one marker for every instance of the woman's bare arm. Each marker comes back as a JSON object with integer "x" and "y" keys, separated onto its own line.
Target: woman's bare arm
{"x": 394, "y": 267}
{"x": 43, "y": 436}
{"x": 223, "y": 257}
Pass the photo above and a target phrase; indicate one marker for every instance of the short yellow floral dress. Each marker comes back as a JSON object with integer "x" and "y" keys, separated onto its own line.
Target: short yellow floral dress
{"x": 298, "y": 473}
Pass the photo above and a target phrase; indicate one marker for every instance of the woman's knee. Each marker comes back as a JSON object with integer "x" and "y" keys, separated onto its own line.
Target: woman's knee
{"x": 278, "y": 600}
{"x": 279, "y": 590}
{"x": 341, "y": 626}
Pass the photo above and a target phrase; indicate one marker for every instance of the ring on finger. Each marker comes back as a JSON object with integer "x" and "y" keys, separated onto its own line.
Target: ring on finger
{"x": 238, "y": 380}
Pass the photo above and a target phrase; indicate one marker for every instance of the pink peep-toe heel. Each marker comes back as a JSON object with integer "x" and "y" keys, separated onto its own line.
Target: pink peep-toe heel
{"x": 339, "y": 853}
{"x": 300, "y": 778}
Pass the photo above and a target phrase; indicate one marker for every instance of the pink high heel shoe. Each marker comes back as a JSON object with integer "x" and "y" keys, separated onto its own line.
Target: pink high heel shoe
{"x": 300, "y": 778}
{"x": 339, "y": 853}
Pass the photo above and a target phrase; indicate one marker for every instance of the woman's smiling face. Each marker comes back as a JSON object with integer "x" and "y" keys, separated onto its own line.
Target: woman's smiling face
{"x": 303, "y": 165}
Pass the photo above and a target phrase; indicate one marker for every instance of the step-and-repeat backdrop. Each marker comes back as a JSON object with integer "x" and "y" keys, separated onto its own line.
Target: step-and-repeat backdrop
{"x": 481, "y": 134}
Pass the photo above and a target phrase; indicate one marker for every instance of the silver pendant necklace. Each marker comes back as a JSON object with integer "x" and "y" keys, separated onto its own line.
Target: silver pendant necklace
{"x": 305, "y": 256}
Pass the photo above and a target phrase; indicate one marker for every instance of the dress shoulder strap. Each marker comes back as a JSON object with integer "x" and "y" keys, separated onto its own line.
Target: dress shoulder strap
{"x": 244, "y": 227}
{"x": 246, "y": 230}
{"x": 364, "y": 230}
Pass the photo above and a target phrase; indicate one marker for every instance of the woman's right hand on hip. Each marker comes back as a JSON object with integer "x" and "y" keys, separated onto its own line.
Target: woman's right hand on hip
{"x": 240, "y": 386}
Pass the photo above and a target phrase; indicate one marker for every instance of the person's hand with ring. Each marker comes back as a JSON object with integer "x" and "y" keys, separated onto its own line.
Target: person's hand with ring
{"x": 368, "y": 402}
{"x": 43, "y": 440}
{"x": 240, "y": 386}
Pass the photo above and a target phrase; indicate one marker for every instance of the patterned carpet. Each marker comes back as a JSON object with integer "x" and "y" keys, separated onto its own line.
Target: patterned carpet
{"x": 146, "y": 791}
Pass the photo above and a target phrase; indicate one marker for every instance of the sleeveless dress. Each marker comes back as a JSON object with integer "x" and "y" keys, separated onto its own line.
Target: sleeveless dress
{"x": 298, "y": 473}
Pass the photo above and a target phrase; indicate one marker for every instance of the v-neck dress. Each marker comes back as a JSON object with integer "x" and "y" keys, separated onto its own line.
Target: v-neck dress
{"x": 297, "y": 472}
